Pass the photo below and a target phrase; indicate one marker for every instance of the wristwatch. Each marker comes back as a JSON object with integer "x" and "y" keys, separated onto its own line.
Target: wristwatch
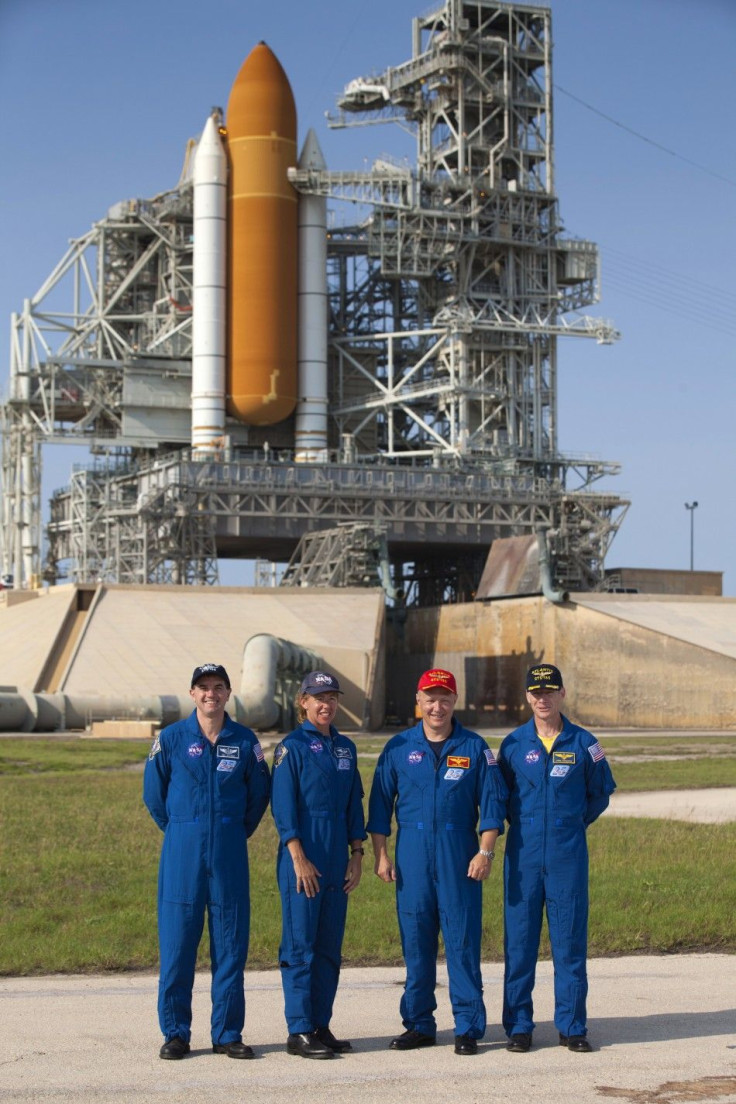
{"x": 487, "y": 854}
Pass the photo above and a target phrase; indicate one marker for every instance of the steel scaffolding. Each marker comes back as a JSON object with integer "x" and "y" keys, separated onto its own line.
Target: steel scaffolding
{"x": 449, "y": 287}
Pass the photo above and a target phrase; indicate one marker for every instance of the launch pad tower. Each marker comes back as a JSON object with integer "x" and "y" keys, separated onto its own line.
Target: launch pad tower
{"x": 448, "y": 289}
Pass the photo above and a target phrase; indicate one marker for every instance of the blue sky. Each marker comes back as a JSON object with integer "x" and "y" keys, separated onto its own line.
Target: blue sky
{"x": 99, "y": 99}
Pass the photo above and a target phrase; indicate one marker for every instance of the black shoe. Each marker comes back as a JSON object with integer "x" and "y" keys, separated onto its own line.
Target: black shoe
{"x": 174, "y": 1048}
{"x": 410, "y": 1040}
{"x": 519, "y": 1043}
{"x": 307, "y": 1045}
{"x": 341, "y": 1046}
{"x": 465, "y": 1045}
{"x": 577, "y": 1043}
{"x": 238, "y": 1049}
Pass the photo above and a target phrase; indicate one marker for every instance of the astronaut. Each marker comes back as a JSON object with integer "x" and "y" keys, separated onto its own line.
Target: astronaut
{"x": 206, "y": 785}
{"x": 317, "y": 805}
{"x": 444, "y": 785}
{"x": 559, "y": 783}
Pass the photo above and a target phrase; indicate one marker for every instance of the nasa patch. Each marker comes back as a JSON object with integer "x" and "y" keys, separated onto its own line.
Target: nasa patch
{"x": 415, "y": 757}
{"x": 453, "y": 773}
{"x": 532, "y": 756}
{"x": 559, "y": 771}
{"x": 195, "y": 750}
{"x": 315, "y": 746}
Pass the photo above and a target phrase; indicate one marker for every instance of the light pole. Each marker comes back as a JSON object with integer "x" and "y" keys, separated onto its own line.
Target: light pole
{"x": 692, "y": 506}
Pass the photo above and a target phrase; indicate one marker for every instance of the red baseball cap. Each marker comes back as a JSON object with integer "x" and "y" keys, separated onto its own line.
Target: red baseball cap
{"x": 437, "y": 678}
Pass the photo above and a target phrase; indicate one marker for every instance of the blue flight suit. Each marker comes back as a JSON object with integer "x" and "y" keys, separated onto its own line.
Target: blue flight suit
{"x": 438, "y": 803}
{"x": 317, "y": 797}
{"x": 208, "y": 799}
{"x": 553, "y": 798}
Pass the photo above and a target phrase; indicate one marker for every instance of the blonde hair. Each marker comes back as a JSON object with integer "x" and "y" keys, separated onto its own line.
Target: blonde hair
{"x": 301, "y": 713}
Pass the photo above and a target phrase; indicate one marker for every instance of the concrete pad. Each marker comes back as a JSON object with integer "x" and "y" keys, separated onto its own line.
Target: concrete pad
{"x": 654, "y": 1022}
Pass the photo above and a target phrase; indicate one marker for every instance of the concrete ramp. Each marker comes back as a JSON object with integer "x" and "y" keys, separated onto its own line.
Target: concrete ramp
{"x": 148, "y": 639}
{"x": 704, "y": 622}
{"x": 32, "y": 622}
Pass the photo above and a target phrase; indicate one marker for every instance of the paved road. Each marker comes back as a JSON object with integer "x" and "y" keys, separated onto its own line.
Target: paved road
{"x": 664, "y": 1029}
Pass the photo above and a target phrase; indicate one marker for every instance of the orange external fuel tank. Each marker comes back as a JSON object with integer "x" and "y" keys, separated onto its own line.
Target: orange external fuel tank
{"x": 262, "y": 243}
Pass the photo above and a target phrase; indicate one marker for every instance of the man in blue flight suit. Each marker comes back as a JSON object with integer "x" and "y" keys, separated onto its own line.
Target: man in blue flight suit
{"x": 446, "y": 788}
{"x": 559, "y": 783}
{"x": 206, "y": 784}
{"x": 317, "y": 805}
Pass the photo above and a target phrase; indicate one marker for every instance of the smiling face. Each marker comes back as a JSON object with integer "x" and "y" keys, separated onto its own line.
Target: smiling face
{"x": 546, "y": 705}
{"x": 436, "y": 706}
{"x": 210, "y": 696}
{"x": 320, "y": 709}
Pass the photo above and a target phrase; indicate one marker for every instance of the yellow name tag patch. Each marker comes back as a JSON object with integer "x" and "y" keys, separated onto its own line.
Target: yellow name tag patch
{"x": 563, "y": 756}
{"x": 458, "y": 761}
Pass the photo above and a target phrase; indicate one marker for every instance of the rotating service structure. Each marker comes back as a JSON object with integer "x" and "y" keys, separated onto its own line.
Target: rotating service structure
{"x": 388, "y": 339}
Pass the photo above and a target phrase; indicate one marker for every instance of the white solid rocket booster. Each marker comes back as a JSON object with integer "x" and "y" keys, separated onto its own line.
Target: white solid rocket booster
{"x": 311, "y": 408}
{"x": 209, "y": 300}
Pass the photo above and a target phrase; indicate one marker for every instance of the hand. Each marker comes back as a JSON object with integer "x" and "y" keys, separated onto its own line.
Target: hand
{"x": 307, "y": 876}
{"x": 384, "y": 868}
{"x": 353, "y": 872}
{"x": 480, "y": 867}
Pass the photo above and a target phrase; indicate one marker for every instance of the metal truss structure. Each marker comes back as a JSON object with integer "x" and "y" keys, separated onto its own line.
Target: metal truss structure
{"x": 449, "y": 290}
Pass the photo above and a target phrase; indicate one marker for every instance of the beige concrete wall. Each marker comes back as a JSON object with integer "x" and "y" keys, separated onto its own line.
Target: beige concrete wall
{"x": 617, "y": 673}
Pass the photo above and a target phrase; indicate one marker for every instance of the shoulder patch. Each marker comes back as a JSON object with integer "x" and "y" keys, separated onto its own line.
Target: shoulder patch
{"x": 491, "y": 758}
{"x": 461, "y": 761}
{"x": 596, "y": 752}
{"x": 155, "y": 748}
{"x": 280, "y": 754}
{"x": 258, "y": 752}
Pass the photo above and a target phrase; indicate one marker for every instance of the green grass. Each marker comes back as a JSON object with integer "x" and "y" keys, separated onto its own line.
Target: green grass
{"x": 79, "y": 860}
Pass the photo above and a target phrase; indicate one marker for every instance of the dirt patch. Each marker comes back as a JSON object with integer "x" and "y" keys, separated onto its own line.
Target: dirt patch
{"x": 676, "y": 1092}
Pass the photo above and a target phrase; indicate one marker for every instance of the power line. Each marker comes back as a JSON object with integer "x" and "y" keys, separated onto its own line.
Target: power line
{"x": 644, "y": 138}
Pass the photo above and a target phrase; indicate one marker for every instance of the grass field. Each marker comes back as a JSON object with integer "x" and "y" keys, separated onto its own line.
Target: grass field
{"x": 79, "y": 859}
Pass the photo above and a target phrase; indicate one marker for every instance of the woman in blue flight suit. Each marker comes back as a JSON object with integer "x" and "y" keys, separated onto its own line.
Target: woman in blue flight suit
{"x": 559, "y": 783}
{"x": 206, "y": 785}
{"x": 446, "y": 788}
{"x": 317, "y": 805}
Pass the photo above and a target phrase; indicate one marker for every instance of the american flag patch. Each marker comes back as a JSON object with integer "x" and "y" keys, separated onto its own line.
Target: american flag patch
{"x": 258, "y": 752}
{"x": 491, "y": 758}
{"x": 596, "y": 752}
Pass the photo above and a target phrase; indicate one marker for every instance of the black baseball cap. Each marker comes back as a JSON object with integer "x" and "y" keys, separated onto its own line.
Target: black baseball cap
{"x": 544, "y": 676}
{"x": 319, "y": 682}
{"x": 215, "y": 669}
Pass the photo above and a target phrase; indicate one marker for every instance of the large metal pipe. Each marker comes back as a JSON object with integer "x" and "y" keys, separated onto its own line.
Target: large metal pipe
{"x": 272, "y": 672}
{"x": 550, "y": 592}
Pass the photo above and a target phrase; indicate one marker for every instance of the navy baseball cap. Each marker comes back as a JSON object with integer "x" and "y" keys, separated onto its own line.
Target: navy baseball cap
{"x": 319, "y": 682}
{"x": 544, "y": 676}
{"x": 215, "y": 669}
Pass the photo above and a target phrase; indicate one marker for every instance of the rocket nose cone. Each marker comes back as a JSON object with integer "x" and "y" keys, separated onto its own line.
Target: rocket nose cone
{"x": 261, "y": 90}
